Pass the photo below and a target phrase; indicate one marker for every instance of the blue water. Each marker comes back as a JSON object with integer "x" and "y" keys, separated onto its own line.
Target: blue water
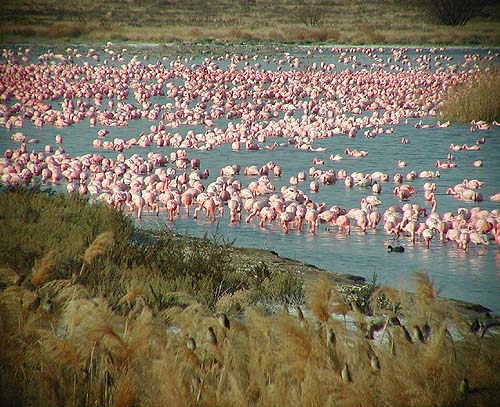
{"x": 472, "y": 276}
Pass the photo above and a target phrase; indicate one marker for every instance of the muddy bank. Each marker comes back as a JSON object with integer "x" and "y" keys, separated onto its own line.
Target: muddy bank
{"x": 168, "y": 50}
{"x": 352, "y": 286}
{"x": 275, "y": 262}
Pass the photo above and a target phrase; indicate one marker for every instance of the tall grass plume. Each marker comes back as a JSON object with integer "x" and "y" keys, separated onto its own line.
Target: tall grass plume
{"x": 42, "y": 268}
{"x": 98, "y": 247}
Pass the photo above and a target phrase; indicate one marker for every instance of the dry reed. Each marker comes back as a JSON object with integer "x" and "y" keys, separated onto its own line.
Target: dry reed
{"x": 42, "y": 268}
{"x": 262, "y": 359}
{"x": 99, "y": 246}
{"x": 478, "y": 99}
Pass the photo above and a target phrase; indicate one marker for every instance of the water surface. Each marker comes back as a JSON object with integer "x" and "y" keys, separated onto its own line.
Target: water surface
{"x": 472, "y": 276}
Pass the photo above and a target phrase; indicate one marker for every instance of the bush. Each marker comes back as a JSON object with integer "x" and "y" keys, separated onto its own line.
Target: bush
{"x": 309, "y": 15}
{"x": 454, "y": 12}
{"x": 34, "y": 223}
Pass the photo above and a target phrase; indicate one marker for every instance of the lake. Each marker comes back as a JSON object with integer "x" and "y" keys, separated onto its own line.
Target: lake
{"x": 471, "y": 275}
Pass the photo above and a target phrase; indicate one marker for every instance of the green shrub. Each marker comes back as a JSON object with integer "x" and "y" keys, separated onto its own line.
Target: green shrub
{"x": 35, "y": 223}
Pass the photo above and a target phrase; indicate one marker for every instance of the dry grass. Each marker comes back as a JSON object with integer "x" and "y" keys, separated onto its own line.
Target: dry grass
{"x": 479, "y": 99}
{"x": 85, "y": 353}
{"x": 344, "y": 21}
{"x": 138, "y": 327}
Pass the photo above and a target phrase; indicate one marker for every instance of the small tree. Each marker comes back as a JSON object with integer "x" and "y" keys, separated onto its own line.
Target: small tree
{"x": 312, "y": 11}
{"x": 454, "y": 12}
{"x": 310, "y": 15}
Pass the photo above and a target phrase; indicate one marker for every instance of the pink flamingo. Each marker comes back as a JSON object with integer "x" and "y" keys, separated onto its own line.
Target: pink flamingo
{"x": 343, "y": 224}
{"x": 311, "y": 218}
{"x": 445, "y": 164}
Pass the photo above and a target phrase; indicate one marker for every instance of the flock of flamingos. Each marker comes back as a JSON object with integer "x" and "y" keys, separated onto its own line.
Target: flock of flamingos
{"x": 291, "y": 105}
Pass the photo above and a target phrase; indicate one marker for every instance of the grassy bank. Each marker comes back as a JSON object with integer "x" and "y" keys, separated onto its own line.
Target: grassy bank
{"x": 96, "y": 312}
{"x": 59, "y": 231}
{"x": 339, "y": 21}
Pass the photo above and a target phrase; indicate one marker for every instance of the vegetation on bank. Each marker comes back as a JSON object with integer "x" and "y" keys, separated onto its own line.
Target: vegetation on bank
{"x": 478, "y": 99}
{"x": 95, "y": 312}
{"x": 155, "y": 264}
{"x": 231, "y": 21}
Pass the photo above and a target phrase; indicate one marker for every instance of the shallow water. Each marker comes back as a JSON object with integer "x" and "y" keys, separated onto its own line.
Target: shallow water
{"x": 472, "y": 276}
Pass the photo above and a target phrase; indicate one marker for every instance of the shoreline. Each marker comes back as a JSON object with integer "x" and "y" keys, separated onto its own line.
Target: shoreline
{"x": 310, "y": 272}
{"x": 224, "y": 46}
{"x": 352, "y": 286}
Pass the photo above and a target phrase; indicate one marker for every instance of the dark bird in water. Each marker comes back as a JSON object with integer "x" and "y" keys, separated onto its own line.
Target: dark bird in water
{"x": 397, "y": 249}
